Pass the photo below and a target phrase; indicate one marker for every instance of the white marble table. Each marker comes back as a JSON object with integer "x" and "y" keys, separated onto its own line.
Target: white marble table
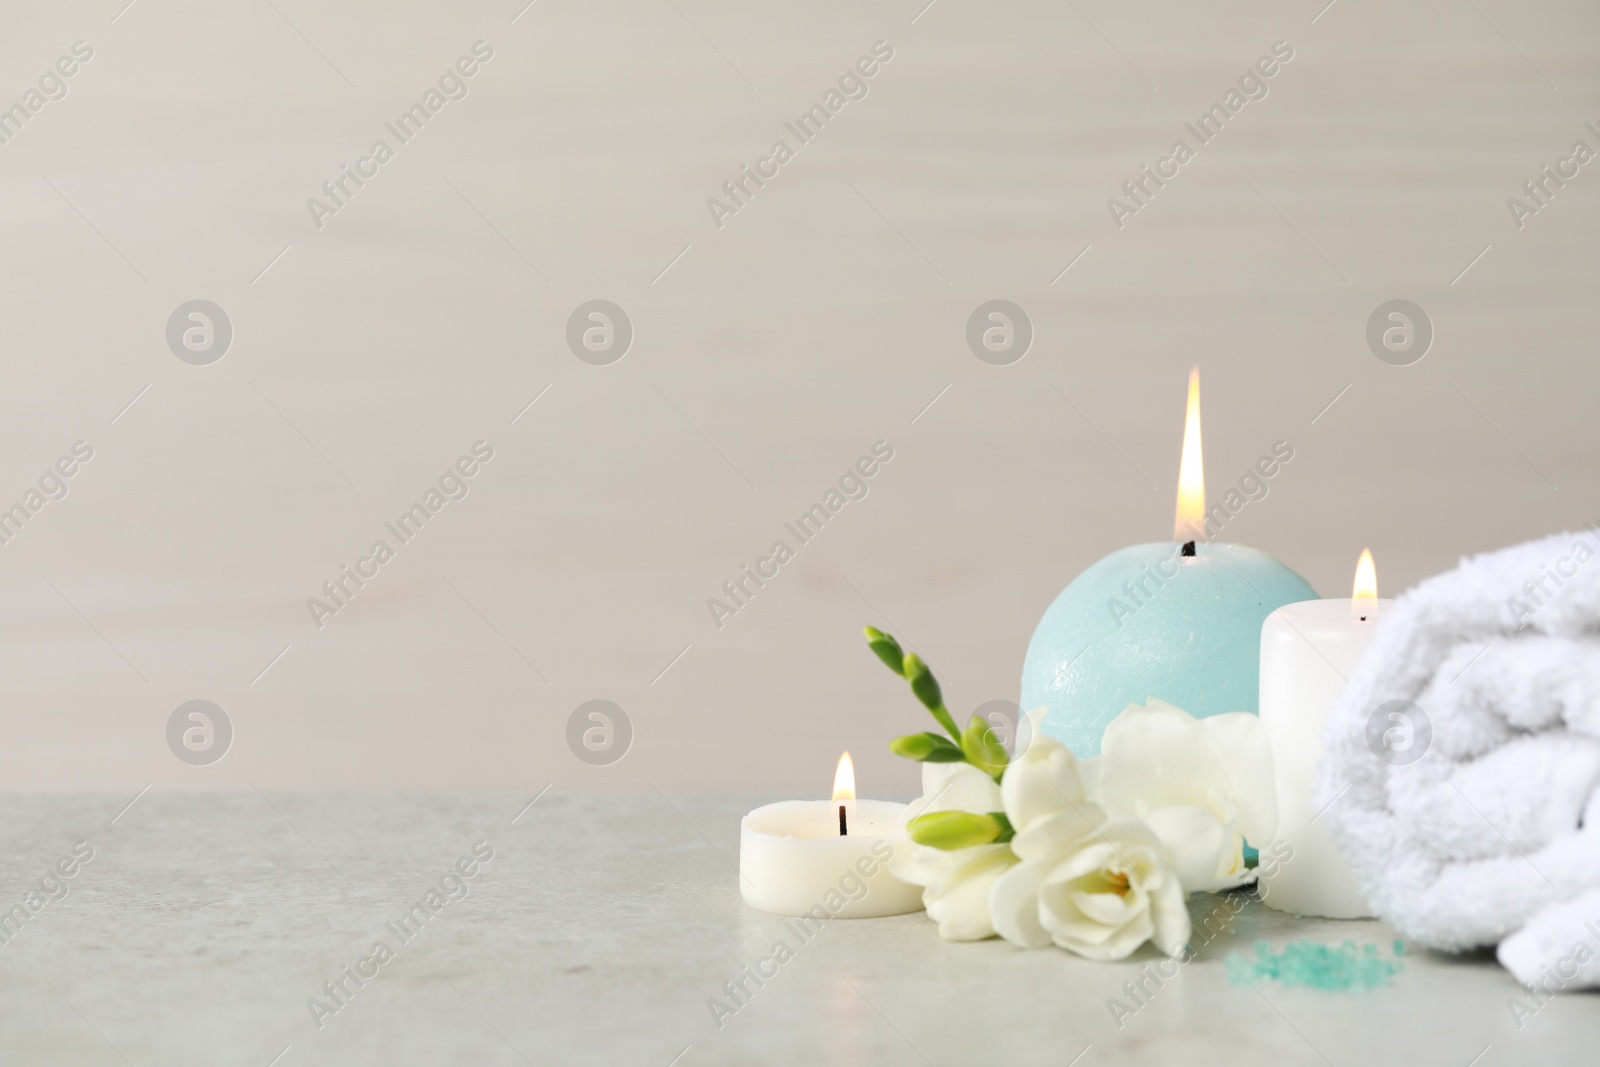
{"x": 596, "y": 935}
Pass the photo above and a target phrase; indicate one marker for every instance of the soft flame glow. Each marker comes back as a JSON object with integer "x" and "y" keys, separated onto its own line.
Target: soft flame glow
{"x": 1191, "y": 520}
{"x": 844, "y": 779}
{"x": 1365, "y": 591}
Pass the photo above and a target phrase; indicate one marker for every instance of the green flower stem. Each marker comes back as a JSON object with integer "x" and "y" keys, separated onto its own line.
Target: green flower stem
{"x": 980, "y": 748}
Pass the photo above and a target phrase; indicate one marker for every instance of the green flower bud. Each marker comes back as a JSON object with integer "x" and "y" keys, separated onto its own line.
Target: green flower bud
{"x": 926, "y": 689}
{"x": 923, "y": 684}
{"x": 926, "y": 748}
{"x": 887, "y": 648}
{"x": 982, "y": 748}
{"x": 950, "y": 830}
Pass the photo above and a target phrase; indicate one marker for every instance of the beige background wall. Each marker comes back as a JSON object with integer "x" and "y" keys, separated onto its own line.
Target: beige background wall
{"x": 768, "y": 355}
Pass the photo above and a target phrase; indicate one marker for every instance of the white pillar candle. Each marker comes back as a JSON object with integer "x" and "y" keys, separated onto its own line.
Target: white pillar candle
{"x": 1308, "y": 650}
{"x": 792, "y": 860}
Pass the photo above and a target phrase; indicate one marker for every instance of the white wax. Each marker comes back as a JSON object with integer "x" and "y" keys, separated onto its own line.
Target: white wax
{"x": 792, "y": 860}
{"x": 1308, "y": 650}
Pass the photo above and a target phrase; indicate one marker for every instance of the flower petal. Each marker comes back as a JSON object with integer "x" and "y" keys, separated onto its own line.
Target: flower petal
{"x": 1089, "y": 772}
{"x": 1051, "y": 834}
{"x": 964, "y": 788}
{"x": 1121, "y": 945}
{"x": 1154, "y": 756}
{"x": 959, "y": 902}
{"x": 1200, "y": 844}
{"x": 1014, "y": 905}
{"x": 1108, "y": 908}
{"x": 1171, "y": 918}
{"x": 1043, "y": 781}
{"x": 1241, "y": 742}
{"x": 1030, "y": 731}
{"x": 934, "y": 775}
{"x": 917, "y": 864}
{"x": 1078, "y": 856}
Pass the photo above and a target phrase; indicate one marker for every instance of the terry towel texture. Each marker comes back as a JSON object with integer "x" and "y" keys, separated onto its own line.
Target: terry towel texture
{"x": 1492, "y": 836}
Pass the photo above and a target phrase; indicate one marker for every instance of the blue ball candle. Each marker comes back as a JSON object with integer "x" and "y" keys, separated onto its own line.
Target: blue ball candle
{"x": 1178, "y": 620}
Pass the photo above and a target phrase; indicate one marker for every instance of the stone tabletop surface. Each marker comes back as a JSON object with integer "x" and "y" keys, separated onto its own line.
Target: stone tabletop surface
{"x": 595, "y": 929}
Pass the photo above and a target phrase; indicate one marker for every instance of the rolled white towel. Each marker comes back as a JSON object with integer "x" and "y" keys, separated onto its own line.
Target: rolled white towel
{"x": 1495, "y": 829}
{"x": 1559, "y": 948}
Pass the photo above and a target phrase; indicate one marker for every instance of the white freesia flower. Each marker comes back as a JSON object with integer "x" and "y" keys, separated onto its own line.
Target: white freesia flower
{"x": 1045, "y": 780}
{"x": 1106, "y": 850}
{"x": 956, "y": 882}
{"x": 1099, "y": 889}
{"x": 1202, "y": 785}
{"x": 1100, "y": 893}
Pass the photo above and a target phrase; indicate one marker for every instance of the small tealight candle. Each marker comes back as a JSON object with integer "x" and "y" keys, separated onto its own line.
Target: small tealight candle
{"x": 799, "y": 856}
{"x": 1308, "y": 650}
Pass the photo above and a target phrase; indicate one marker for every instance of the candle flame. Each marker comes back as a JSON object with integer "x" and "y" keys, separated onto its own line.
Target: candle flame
{"x": 1364, "y": 595}
{"x": 1191, "y": 520}
{"x": 844, "y": 779}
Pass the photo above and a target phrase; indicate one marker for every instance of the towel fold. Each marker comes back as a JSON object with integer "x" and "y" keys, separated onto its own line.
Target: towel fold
{"x": 1491, "y": 836}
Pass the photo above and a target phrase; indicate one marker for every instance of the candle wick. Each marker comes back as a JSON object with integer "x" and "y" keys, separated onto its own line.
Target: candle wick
{"x": 1188, "y": 548}
{"x": 844, "y": 830}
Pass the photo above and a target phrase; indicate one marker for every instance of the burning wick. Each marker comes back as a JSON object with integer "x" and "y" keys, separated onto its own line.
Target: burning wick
{"x": 1191, "y": 514}
{"x": 1365, "y": 591}
{"x": 844, "y": 788}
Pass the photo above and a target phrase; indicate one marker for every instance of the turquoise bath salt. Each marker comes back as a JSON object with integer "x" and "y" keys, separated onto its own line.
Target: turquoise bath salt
{"x": 1317, "y": 966}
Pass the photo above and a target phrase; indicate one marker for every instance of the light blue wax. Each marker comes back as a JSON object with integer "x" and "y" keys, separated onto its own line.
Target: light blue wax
{"x": 1146, "y": 622}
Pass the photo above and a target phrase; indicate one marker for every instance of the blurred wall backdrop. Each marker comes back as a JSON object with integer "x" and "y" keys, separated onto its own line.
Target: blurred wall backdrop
{"x": 387, "y": 312}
